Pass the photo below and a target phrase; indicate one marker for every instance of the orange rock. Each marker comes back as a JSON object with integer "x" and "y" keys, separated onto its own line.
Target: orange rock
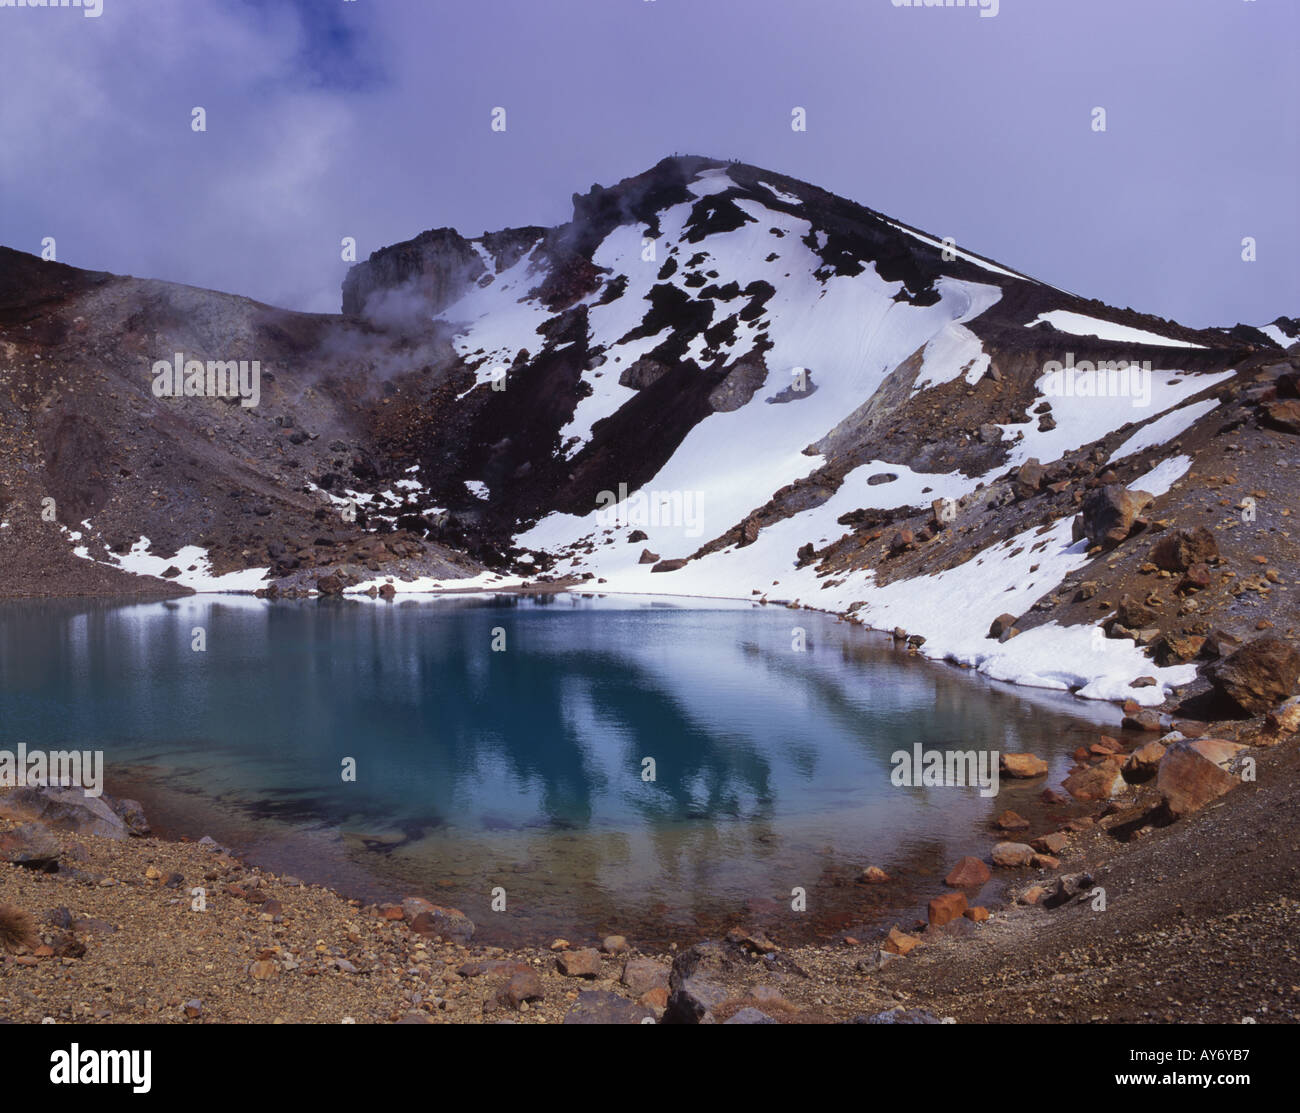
{"x": 1191, "y": 774}
{"x": 944, "y": 909}
{"x": 1023, "y": 765}
{"x": 978, "y": 913}
{"x": 969, "y": 873}
{"x": 1053, "y": 843}
{"x": 656, "y": 998}
{"x": 899, "y": 942}
{"x": 1097, "y": 782}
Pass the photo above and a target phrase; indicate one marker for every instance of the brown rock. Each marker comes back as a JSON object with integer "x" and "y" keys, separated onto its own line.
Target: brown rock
{"x": 1284, "y": 414}
{"x": 656, "y": 998}
{"x": 1023, "y": 765}
{"x": 978, "y": 913}
{"x": 1109, "y": 513}
{"x": 1174, "y": 649}
{"x": 1177, "y": 552}
{"x": 899, "y": 942}
{"x": 1000, "y": 624}
{"x": 1285, "y": 718}
{"x": 946, "y": 908}
{"x": 1052, "y": 843}
{"x": 1143, "y": 762}
{"x": 432, "y": 919}
{"x": 582, "y": 963}
{"x": 1192, "y": 773}
{"x": 1011, "y": 821}
{"x": 1096, "y": 782}
{"x": 641, "y": 975}
{"x": 874, "y": 875}
{"x": 969, "y": 873}
{"x": 668, "y": 566}
{"x": 523, "y": 986}
{"x": 1259, "y": 675}
{"x": 1010, "y": 855}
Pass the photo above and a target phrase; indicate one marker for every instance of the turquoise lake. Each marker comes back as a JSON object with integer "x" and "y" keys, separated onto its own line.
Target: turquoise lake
{"x": 523, "y": 770}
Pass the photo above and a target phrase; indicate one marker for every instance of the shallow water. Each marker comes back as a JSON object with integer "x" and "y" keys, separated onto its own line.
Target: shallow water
{"x": 523, "y": 770}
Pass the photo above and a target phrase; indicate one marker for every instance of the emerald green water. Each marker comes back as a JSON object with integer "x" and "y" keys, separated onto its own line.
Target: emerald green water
{"x": 524, "y": 769}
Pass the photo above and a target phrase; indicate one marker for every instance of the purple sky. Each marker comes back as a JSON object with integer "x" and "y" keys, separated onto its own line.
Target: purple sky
{"x": 371, "y": 118}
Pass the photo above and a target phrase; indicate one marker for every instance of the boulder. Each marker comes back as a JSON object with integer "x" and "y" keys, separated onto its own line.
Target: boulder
{"x": 582, "y": 963}
{"x": 1010, "y": 855}
{"x": 1192, "y": 773}
{"x": 432, "y": 919}
{"x": 600, "y": 1006}
{"x": 1285, "y": 718}
{"x": 1096, "y": 782}
{"x": 523, "y": 986}
{"x": 1284, "y": 414}
{"x": 1052, "y": 843}
{"x": 1109, "y": 513}
{"x": 1011, "y": 821}
{"x": 32, "y": 846}
{"x": 899, "y": 942}
{"x": 641, "y": 975}
{"x": 1001, "y": 624}
{"x": 1023, "y": 765}
{"x": 969, "y": 873}
{"x": 64, "y": 809}
{"x": 1143, "y": 762}
{"x": 1174, "y": 648}
{"x": 1178, "y": 551}
{"x": 669, "y": 565}
{"x": 946, "y": 908}
{"x": 1029, "y": 478}
{"x": 1259, "y": 675}
{"x": 694, "y": 982}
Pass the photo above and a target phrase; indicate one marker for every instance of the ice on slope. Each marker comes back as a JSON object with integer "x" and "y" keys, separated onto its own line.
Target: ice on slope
{"x": 957, "y": 253}
{"x": 1164, "y": 429}
{"x": 1081, "y": 421}
{"x": 1274, "y": 333}
{"x": 1078, "y": 324}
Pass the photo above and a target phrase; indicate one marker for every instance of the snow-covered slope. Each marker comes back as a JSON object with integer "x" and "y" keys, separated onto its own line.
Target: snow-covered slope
{"x": 749, "y": 367}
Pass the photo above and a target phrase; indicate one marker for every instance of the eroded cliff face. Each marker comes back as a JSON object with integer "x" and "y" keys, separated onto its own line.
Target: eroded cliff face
{"x": 768, "y": 389}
